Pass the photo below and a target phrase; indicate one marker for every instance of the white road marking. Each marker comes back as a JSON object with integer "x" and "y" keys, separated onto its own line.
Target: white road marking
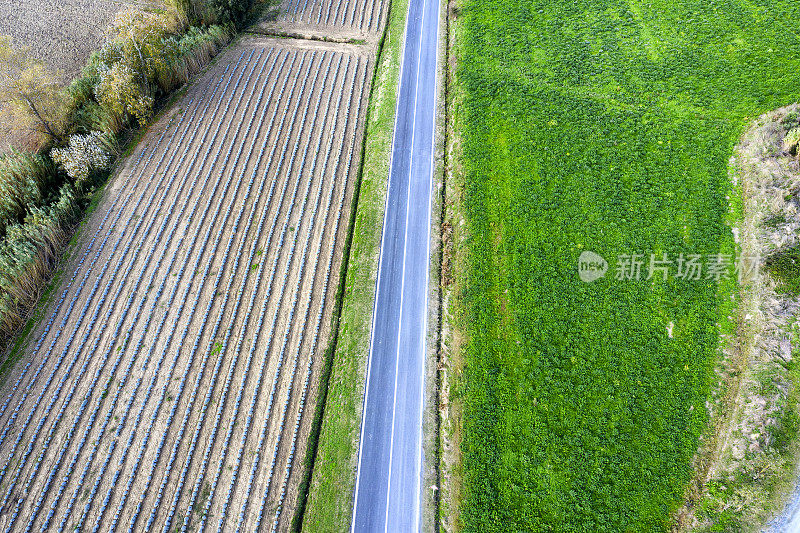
{"x": 403, "y": 274}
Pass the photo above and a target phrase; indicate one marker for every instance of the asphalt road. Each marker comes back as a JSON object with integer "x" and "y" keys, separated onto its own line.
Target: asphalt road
{"x": 388, "y": 491}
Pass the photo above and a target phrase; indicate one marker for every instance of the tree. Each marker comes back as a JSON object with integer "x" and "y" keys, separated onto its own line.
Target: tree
{"x": 185, "y": 8}
{"x": 30, "y": 93}
{"x": 140, "y": 40}
{"x": 121, "y": 93}
{"x": 84, "y": 154}
{"x": 231, "y": 11}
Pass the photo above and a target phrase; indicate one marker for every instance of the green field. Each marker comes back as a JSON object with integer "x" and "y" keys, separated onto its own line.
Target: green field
{"x": 603, "y": 126}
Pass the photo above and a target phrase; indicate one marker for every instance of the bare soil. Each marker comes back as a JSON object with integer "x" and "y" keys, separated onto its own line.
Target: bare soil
{"x": 348, "y": 20}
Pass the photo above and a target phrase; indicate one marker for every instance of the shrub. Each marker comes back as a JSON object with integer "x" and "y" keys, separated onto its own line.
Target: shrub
{"x": 230, "y": 11}
{"x": 784, "y": 265}
{"x": 791, "y": 119}
{"x": 185, "y": 8}
{"x": 24, "y": 178}
{"x": 28, "y": 253}
{"x": 141, "y": 41}
{"x": 85, "y": 154}
{"x": 147, "y": 54}
{"x": 194, "y": 50}
{"x": 791, "y": 140}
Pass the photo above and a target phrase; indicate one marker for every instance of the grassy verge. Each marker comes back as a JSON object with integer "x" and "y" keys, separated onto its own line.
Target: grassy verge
{"x": 329, "y": 504}
{"x": 751, "y": 449}
{"x": 603, "y": 127}
{"x": 451, "y": 364}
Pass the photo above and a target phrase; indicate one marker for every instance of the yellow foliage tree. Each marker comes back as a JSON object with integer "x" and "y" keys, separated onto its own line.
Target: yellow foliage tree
{"x": 121, "y": 93}
{"x": 141, "y": 41}
{"x": 29, "y": 93}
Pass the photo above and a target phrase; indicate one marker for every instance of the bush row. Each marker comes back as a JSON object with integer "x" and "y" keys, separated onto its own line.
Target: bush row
{"x": 147, "y": 55}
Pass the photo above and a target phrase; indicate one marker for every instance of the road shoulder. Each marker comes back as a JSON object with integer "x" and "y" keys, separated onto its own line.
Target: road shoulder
{"x": 432, "y": 421}
{"x": 453, "y": 260}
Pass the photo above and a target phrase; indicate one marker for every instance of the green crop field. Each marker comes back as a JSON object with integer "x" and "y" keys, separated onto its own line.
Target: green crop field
{"x": 604, "y": 126}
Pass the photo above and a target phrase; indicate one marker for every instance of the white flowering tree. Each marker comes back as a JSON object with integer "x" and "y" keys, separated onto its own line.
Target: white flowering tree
{"x": 84, "y": 154}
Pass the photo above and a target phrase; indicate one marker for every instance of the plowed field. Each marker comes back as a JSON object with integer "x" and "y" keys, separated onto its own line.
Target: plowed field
{"x": 174, "y": 379}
